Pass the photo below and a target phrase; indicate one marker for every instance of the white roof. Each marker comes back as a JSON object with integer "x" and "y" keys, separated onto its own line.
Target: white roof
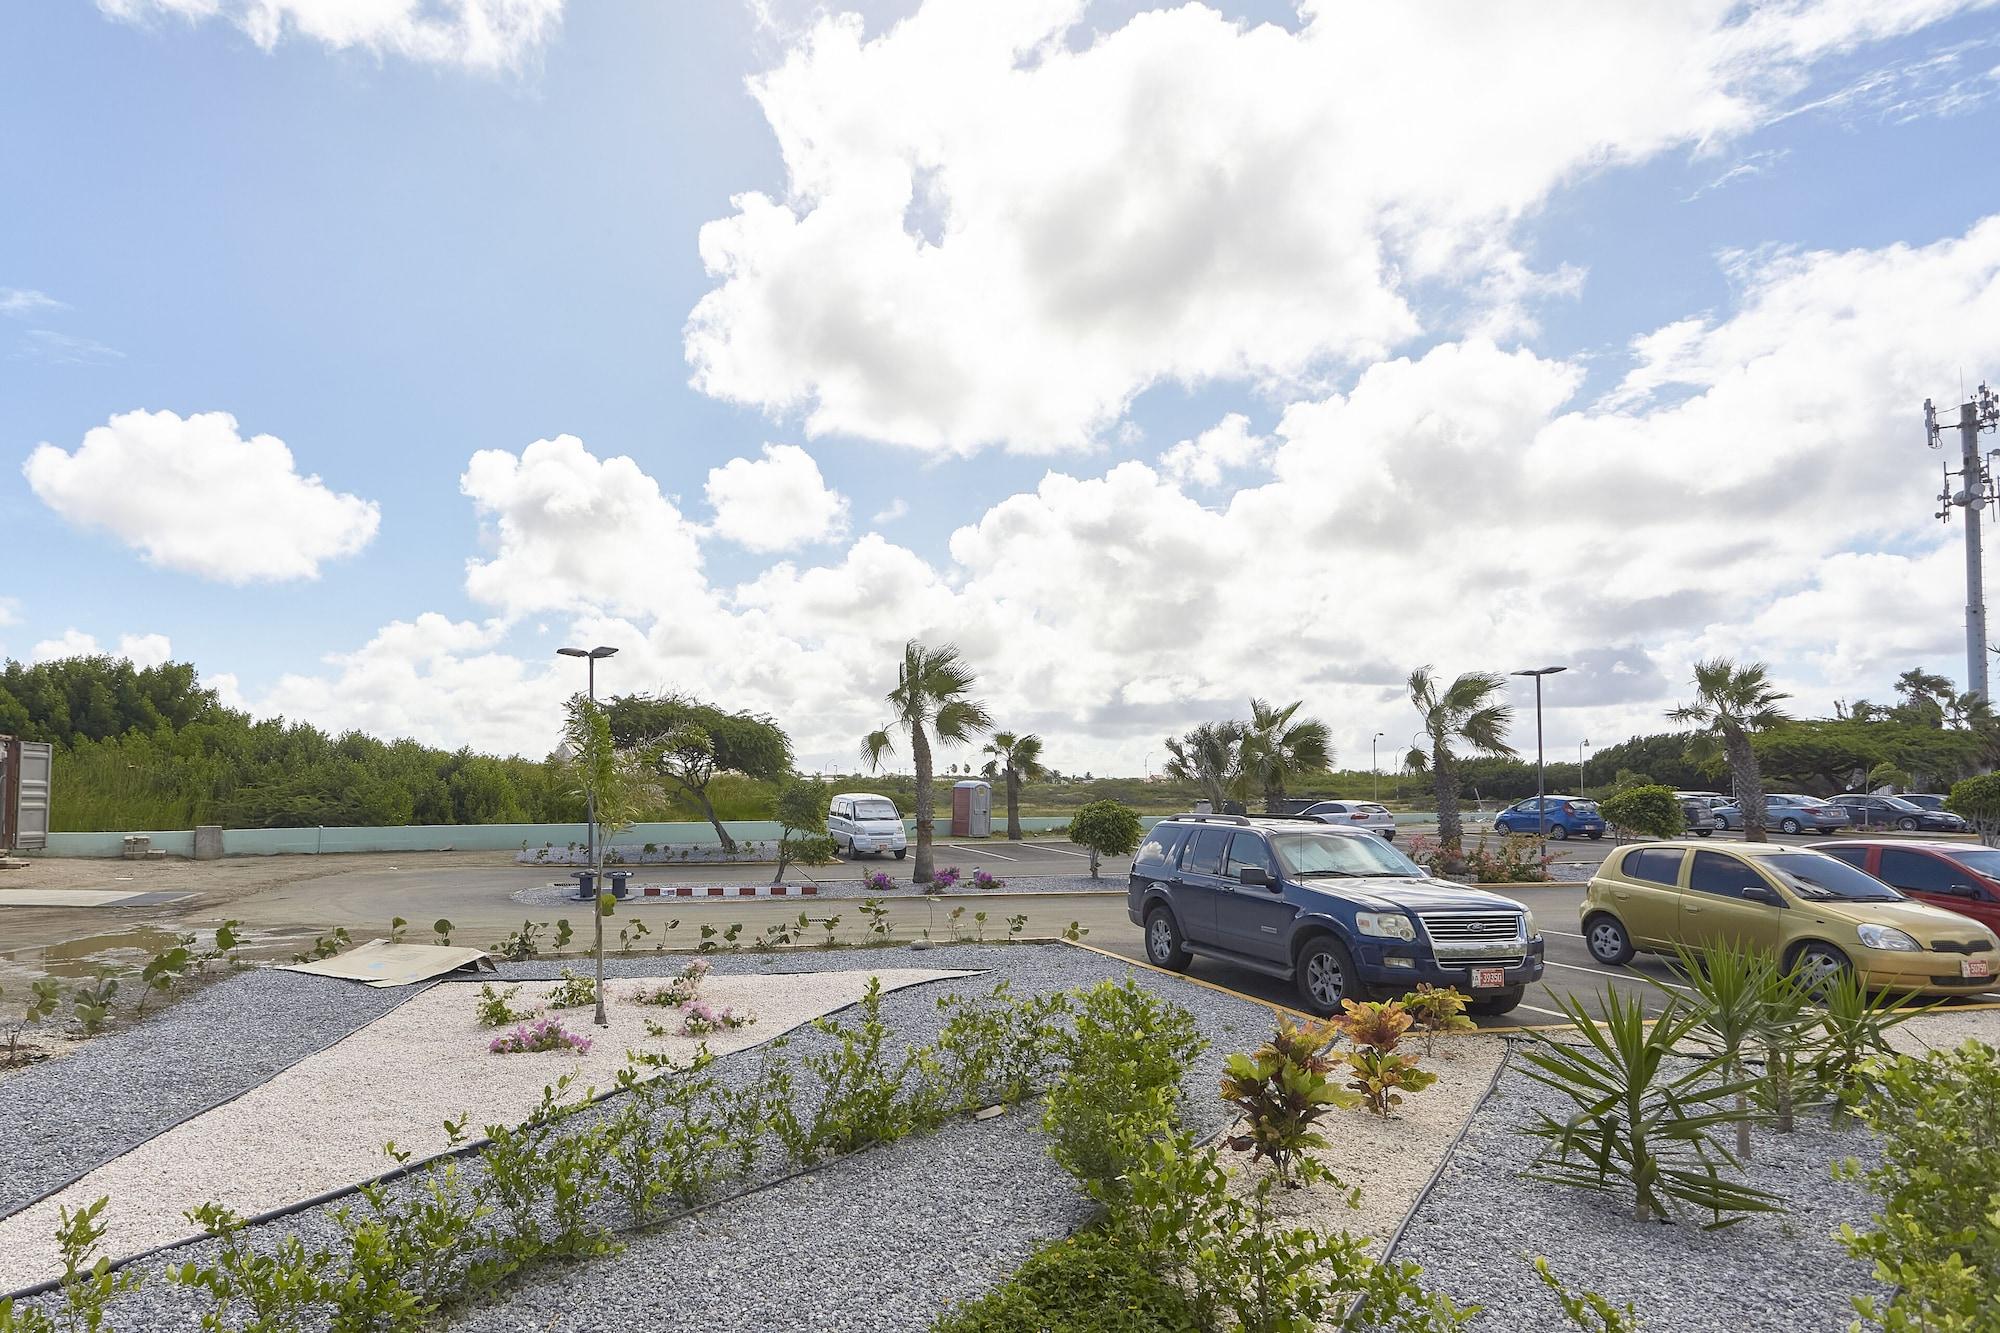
{"x": 860, "y": 796}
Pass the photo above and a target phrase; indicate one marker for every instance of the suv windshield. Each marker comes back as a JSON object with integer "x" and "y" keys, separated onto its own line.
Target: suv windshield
{"x": 874, "y": 810}
{"x": 1812, "y": 875}
{"x": 1311, "y": 855}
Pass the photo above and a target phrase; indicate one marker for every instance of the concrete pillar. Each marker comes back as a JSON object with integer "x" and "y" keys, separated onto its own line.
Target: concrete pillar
{"x": 208, "y": 842}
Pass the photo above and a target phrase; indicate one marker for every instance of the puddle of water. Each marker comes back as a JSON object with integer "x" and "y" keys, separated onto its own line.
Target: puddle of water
{"x": 127, "y": 950}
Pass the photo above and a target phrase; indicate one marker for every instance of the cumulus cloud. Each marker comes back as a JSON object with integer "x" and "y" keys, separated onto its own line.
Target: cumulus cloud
{"x": 19, "y": 301}
{"x": 193, "y": 494}
{"x": 70, "y": 643}
{"x": 485, "y": 35}
{"x": 145, "y": 650}
{"x": 992, "y": 234}
{"x": 775, "y": 503}
{"x": 142, "y": 650}
{"x": 573, "y": 532}
{"x": 1224, "y": 447}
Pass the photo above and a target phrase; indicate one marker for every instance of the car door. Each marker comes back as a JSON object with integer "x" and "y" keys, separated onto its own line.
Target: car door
{"x": 1714, "y": 911}
{"x": 1520, "y": 817}
{"x": 1647, "y": 895}
{"x": 1934, "y": 879}
{"x": 838, "y": 826}
{"x": 1253, "y": 920}
{"x": 1198, "y": 887}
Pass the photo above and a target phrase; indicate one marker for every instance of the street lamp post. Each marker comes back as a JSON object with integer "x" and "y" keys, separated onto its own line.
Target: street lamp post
{"x": 1580, "y": 781}
{"x": 590, "y": 656}
{"x": 1541, "y": 785}
{"x": 1374, "y": 768}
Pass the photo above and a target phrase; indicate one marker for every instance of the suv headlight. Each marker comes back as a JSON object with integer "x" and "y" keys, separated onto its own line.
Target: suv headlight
{"x": 1385, "y": 925}
{"x": 1527, "y": 924}
{"x": 1888, "y": 938}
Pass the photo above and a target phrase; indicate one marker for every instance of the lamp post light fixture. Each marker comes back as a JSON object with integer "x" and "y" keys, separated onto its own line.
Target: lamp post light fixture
{"x": 1374, "y": 768}
{"x": 590, "y": 656}
{"x": 1580, "y": 781}
{"x": 1541, "y": 785}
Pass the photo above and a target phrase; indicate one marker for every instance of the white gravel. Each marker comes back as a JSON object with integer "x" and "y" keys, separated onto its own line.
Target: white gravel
{"x": 321, "y": 1124}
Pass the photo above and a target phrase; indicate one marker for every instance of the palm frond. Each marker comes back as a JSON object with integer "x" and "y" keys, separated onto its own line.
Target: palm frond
{"x": 873, "y": 746}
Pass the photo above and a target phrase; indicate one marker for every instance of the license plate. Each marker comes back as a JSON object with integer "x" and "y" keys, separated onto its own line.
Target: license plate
{"x": 1494, "y": 978}
{"x": 1975, "y": 967}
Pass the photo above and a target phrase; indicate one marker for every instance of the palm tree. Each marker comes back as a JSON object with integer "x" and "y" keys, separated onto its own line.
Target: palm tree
{"x": 1730, "y": 704}
{"x": 1464, "y": 713}
{"x": 1278, "y": 749}
{"x": 1018, "y": 759}
{"x": 932, "y": 685}
{"x": 1212, "y": 756}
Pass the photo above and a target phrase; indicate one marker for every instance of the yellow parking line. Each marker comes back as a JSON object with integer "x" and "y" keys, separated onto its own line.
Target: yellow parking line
{"x": 1197, "y": 981}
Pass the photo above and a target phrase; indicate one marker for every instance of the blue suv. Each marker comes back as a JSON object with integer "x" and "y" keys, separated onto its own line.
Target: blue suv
{"x": 1568, "y": 817}
{"x": 1340, "y": 913}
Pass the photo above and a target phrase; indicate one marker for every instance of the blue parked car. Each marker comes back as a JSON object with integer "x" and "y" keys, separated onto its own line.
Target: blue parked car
{"x": 1789, "y": 812}
{"x": 1568, "y": 817}
{"x": 1340, "y": 913}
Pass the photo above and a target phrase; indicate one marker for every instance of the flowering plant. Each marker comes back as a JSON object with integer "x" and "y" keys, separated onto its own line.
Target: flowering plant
{"x": 985, "y": 879}
{"x": 702, "y": 1018}
{"x": 944, "y": 879}
{"x": 674, "y": 993}
{"x": 544, "y": 1034}
{"x": 880, "y": 882}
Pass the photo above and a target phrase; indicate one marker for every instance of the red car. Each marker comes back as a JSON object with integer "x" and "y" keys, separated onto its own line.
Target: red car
{"x": 1960, "y": 877}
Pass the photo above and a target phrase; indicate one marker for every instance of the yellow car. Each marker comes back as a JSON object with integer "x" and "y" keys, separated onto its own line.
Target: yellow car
{"x": 1818, "y": 914}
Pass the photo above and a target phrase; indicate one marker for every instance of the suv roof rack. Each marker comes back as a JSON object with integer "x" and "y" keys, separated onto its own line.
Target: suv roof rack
{"x": 1286, "y": 819}
{"x": 1199, "y": 817}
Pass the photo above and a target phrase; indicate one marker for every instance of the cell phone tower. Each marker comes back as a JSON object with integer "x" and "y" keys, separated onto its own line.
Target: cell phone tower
{"x": 1974, "y": 494}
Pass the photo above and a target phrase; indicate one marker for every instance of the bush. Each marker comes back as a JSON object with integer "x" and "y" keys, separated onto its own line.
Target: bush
{"x": 1978, "y": 800}
{"x": 1088, "y": 1284}
{"x": 1651, "y": 812}
{"x": 1125, "y": 1058}
{"x": 1281, "y": 1090}
{"x": 1107, "y": 829}
{"x": 1937, "y": 1234}
{"x": 1519, "y": 860}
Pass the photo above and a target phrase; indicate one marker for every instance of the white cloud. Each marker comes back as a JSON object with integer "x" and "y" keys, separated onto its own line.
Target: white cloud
{"x": 896, "y": 509}
{"x": 19, "y": 301}
{"x": 70, "y": 643}
{"x": 145, "y": 650}
{"x": 484, "y": 35}
{"x": 1224, "y": 447}
{"x": 142, "y": 650}
{"x": 572, "y": 532}
{"x": 65, "y": 349}
{"x": 192, "y": 494}
{"x": 989, "y": 235}
{"x": 776, "y": 503}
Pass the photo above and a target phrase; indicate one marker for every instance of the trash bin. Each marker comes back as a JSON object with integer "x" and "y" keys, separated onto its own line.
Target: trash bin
{"x": 619, "y": 878}
{"x": 972, "y": 809}
{"x": 586, "y": 885}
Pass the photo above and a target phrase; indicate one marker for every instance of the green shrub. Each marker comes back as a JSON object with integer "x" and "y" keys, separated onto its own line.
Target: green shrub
{"x": 1978, "y": 800}
{"x": 1107, "y": 829}
{"x": 1936, "y": 1236}
{"x": 1586, "y": 1309}
{"x": 1087, "y": 1284}
{"x": 1127, "y": 1053}
{"x": 998, "y": 1049}
{"x": 1649, "y": 811}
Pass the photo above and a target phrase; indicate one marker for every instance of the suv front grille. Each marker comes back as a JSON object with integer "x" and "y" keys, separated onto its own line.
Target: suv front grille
{"x": 1483, "y": 926}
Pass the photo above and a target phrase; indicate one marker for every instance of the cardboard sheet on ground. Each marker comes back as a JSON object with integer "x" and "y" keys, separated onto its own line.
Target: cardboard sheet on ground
{"x": 382, "y": 964}
{"x": 88, "y": 897}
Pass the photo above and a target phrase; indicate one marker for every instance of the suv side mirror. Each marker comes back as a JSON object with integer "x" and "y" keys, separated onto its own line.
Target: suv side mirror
{"x": 1758, "y": 893}
{"x": 1256, "y": 875}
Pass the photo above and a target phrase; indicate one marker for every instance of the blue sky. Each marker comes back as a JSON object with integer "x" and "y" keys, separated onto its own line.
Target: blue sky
{"x": 392, "y": 260}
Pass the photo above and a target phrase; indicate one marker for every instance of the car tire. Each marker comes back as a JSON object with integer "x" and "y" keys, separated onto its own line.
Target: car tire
{"x": 1703, "y": 832}
{"x": 1325, "y": 976}
{"x": 1164, "y": 945}
{"x": 902, "y": 852}
{"x": 1816, "y": 964}
{"x": 1605, "y": 937}
{"x": 1790, "y": 826}
{"x": 1595, "y": 834}
{"x": 1501, "y": 828}
{"x": 1504, "y": 1002}
{"x": 1559, "y": 833}
{"x": 1907, "y": 824}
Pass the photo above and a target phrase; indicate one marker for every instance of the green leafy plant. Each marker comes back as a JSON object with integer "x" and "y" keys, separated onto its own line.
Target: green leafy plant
{"x": 1086, "y": 1282}
{"x": 1853, "y": 1034}
{"x": 1935, "y": 1238}
{"x": 1787, "y": 1026}
{"x": 1016, "y": 924}
{"x": 92, "y": 1004}
{"x": 632, "y": 933}
{"x": 1730, "y": 987}
{"x": 398, "y": 928}
{"x": 1586, "y": 1309}
{"x": 1381, "y": 1075}
{"x": 1281, "y": 1089}
{"x": 864, "y": 1094}
{"x": 441, "y": 929}
{"x": 542, "y": 1185}
{"x": 325, "y": 946}
{"x": 1105, "y": 828}
{"x": 830, "y": 925}
{"x": 495, "y": 1009}
{"x": 522, "y": 944}
{"x": 1127, "y": 1053}
{"x": 999, "y": 1048}
{"x": 1637, "y": 1126}
{"x": 878, "y": 918}
{"x": 44, "y": 998}
{"x": 1437, "y": 1009}
{"x": 1648, "y": 811}
{"x": 571, "y": 991}
{"x": 88, "y": 1285}
{"x": 251, "y": 1289}
{"x": 677, "y": 990}
{"x": 1075, "y": 931}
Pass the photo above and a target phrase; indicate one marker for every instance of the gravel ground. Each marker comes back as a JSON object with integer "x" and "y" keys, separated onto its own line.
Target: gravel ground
{"x": 1768, "y": 1271}
{"x": 564, "y": 895}
{"x": 882, "y": 1242}
{"x": 109, "y": 1094}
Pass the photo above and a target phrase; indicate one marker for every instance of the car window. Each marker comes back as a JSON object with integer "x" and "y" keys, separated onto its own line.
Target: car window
{"x": 1816, "y": 876}
{"x": 1723, "y": 875}
{"x": 1658, "y": 865}
{"x": 1916, "y": 872}
{"x": 1204, "y": 853}
{"x": 1334, "y": 855}
{"x": 1984, "y": 860}
{"x": 1247, "y": 849}
{"x": 875, "y": 810}
{"x": 1854, "y": 856}
{"x": 1162, "y": 846}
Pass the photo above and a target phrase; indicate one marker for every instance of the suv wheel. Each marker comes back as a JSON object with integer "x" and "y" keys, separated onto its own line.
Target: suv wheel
{"x": 1790, "y": 826}
{"x": 1164, "y": 946}
{"x": 1607, "y": 941}
{"x": 1326, "y": 976}
{"x": 1500, "y": 1002}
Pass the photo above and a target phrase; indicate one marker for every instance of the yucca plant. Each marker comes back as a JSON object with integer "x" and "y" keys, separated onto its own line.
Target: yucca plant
{"x": 1854, "y": 1023}
{"x": 1381, "y": 1075}
{"x": 1640, "y": 1123}
{"x": 1787, "y": 1019}
{"x": 1728, "y": 983}
{"x": 1281, "y": 1089}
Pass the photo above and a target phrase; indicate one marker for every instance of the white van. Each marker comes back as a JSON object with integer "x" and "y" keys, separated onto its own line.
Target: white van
{"x": 860, "y": 822}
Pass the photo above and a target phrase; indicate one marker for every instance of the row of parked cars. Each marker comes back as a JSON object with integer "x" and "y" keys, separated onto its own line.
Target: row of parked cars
{"x": 1790, "y": 812}
{"x": 1343, "y": 914}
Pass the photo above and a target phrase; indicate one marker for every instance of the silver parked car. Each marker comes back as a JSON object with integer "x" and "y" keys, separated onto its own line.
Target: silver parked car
{"x": 1354, "y": 814}
{"x": 1789, "y": 812}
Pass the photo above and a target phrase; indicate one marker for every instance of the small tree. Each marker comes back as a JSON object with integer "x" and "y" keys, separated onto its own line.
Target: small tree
{"x": 802, "y": 823}
{"x": 1978, "y": 799}
{"x": 1650, "y": 812}
{"x": 1106, "y": 828}
{"x": 614, "y": 784}
{"x": 1886, "y": 774}
{"x": 1016, "y": 759}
